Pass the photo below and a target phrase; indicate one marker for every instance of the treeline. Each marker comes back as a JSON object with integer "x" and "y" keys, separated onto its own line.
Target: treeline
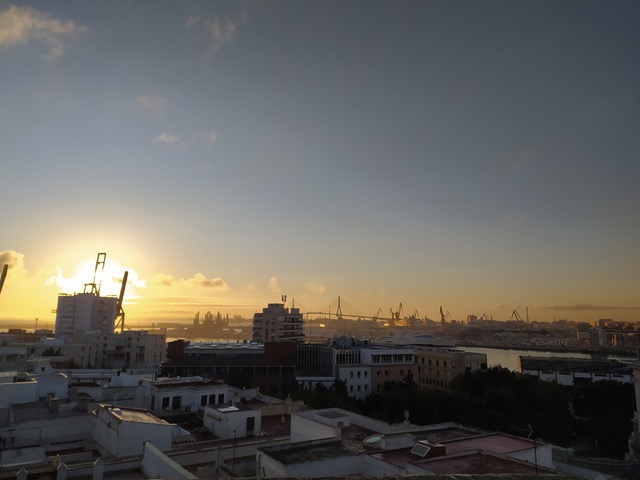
{"x": 497, "y": 399}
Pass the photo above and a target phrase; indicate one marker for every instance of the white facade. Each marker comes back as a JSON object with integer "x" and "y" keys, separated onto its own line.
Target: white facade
{"x": 357, "y": 379}
{"x": 276, "y": 323}
{"x": 18, "y": 388}
{"x": 187, "y": 394}
{"x": 123, "y": 431}
{"x": 84, "y": 312}
{"x": 232, "y": 421}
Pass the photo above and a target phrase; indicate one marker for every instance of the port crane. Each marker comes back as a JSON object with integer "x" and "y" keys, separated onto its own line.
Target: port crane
{"x": 375, "y": 317}
{"x": 414, "y": 319}
{"x": 95, "y": 287}
{"x": 398, "y": 312}
{"x": 4, "y": 275}
{"x": 120, "y": 314}
{"x": 516, "y": 315}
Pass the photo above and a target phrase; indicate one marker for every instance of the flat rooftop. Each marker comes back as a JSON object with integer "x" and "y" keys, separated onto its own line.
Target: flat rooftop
{"x": 479, "y": 463}
{"x": 132, "y": 415}
{"x": 499, "y": 443}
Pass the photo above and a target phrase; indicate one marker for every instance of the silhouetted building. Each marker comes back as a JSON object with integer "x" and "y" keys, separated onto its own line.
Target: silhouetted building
{"x": 276, "y": 323}
{"x": 270, "y": 366}
{"x": 85, "y": 312}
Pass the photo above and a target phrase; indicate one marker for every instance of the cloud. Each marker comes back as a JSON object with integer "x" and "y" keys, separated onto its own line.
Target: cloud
{"x": 154, "y": 103}
{"x": 209, "y": 137}
{"x": 167, "y": 138}
{"x": 250, "y": 287}
{"x": 163, "y": 280}
{"x": 218, "y": 31}
{"x": 202, "y": 281}
{"x": 315, "y": 287}
{"x": 22, "y": 25}
{"x": 584, "y": 307}
{"x": 274, "y": 285}
{"x": 12, "y": 258}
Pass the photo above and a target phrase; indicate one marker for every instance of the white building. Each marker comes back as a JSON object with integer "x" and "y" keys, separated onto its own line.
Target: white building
{"x": 19, "y": 388}
{"x": 232, "y": 421}
{"x": 123, "y": 431}
{"x": 84, "y": 312}
{"x": 185, "y": 394}
{"x": 364, "y": 368}
{"x": 276, "y": 323}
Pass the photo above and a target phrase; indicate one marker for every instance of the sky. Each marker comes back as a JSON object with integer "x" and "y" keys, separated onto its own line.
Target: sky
{"x": 479, "y": 156}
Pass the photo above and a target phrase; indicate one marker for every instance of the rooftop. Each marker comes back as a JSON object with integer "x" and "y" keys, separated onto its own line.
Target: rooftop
{"x": 131, "y": 414}
{"x": 476, "y": 463}
{"x": 500, "y": 443}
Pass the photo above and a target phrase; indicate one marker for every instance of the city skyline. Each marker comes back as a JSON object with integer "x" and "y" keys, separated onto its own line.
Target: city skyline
{"x": 475, "y": 156}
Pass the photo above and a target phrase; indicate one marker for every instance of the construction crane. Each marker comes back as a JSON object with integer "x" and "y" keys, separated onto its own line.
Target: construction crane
{"x": 443, "y": 317}
{"x": 486, "y": 317}
{"x": 516, "y": 315}
{"x": 95, "y": 287}
{"x": 120, "y": 314}
{"x": 4, "y": 275}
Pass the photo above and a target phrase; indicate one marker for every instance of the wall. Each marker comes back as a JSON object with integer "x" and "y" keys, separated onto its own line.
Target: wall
{"x": 21, "y": 392}
{"x": 132, "y": 436}
{"x": 303, "y": 429}
{"x": 157, "y": 465}
{"x": 228, "y": 425}
{"x": 543, "y": 454}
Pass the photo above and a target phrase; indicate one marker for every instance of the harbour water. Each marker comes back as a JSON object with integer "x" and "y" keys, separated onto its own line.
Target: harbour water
{"x": 509, "y": 358}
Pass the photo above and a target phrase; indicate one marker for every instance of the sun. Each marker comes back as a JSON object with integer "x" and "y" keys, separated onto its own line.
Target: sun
{"x": 106, "y": 274}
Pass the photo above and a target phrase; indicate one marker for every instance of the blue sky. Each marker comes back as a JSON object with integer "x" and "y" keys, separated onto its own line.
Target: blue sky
{"x": 482, "y": 156}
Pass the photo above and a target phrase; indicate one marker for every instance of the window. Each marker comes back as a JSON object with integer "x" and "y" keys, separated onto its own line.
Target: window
{"x": 165, "y": 402}
{"x": 386, "y": 373}
{"x": 176, "y": 403}
{"x": 350, "y": 374}
{"x": 203, "y": 400}
{"x": 358, "y": 374}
